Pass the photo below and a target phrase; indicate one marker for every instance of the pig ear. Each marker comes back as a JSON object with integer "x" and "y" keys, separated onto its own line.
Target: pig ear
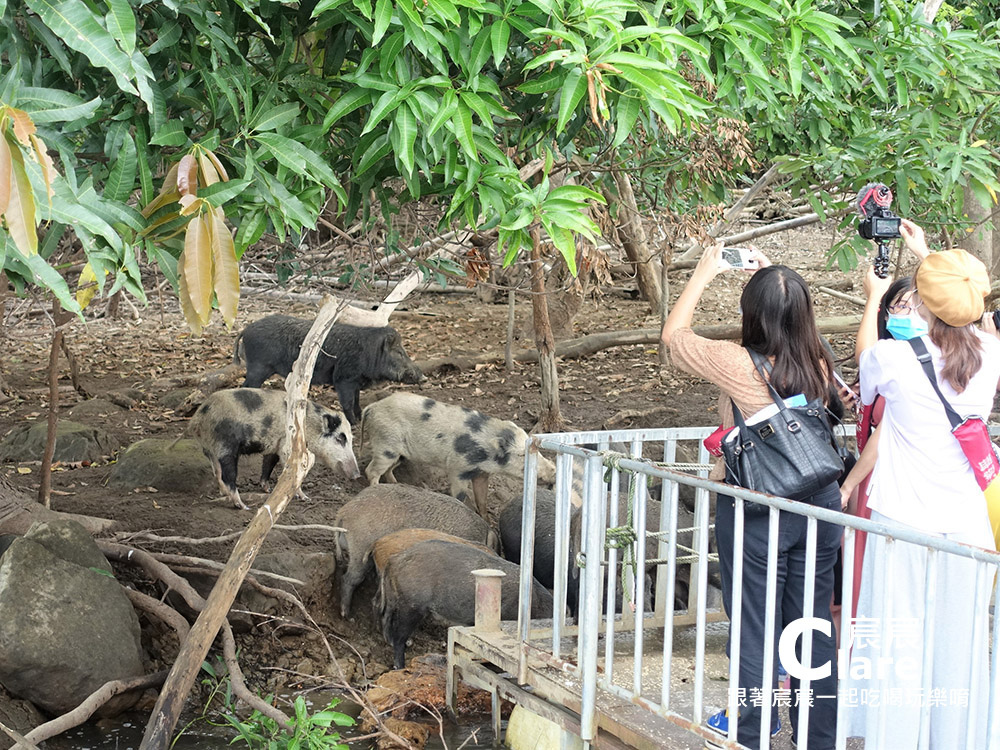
{"x": 332, "y": 422}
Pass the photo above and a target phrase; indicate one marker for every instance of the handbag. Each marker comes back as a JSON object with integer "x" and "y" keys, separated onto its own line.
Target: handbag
{"x": 790, "y": 454}
{"x": 973, "y": 436}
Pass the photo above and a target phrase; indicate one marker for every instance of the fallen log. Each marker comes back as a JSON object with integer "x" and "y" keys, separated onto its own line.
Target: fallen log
{"x": 596, "y": 342}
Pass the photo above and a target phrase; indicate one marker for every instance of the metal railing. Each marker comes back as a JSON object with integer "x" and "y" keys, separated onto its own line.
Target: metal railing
{"x": 650, "y": 459}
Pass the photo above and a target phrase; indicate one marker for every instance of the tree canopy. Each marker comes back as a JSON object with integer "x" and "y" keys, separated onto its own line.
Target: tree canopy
{"x": 141, "y": 130}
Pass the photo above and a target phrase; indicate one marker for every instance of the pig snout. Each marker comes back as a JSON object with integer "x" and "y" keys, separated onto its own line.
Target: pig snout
{"x": 349, "y": 466}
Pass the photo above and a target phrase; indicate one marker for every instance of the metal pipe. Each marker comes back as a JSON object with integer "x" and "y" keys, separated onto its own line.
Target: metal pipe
{"x": 807, "y": 637}
{"x": 488, "y": 599}
{"x": 736, "y": 621}
{"x": 527, "y": 556}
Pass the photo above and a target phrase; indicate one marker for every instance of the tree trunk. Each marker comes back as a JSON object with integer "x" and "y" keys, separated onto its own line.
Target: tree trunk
{"x": 296, "y": 464}
{"x": 633, "y": 237}
{"x": 979, "y": 241}
{"x": 60, "y": 317}
{"x": 662, "y": 354}
{"x": 550, "y": 419}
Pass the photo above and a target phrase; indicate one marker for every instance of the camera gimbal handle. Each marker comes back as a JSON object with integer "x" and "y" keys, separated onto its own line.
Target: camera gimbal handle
{"x": 881, "y": 262}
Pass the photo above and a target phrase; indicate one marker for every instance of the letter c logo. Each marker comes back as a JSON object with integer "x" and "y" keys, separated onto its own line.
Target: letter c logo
{"x": 786, "y": 648}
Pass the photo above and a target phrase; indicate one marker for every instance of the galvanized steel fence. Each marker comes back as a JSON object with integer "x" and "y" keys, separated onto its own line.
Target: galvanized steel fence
{"x": 647, "y": 459}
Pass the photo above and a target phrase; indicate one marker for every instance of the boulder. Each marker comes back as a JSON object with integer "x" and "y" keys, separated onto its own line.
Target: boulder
{"x": 94, "y": 409}
{"x": 169, "y": 468}
{"x": 65, "y": 628}
{"x": 74, "y": 442}
{"x": 314, "y": 569}
{"x": 69, "y": 541}
{"x": 176, "y": 397}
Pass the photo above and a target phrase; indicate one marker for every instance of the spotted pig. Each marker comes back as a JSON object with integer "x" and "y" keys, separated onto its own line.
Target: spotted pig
{"x": 466, "y": 444}
{"x": 241, "y": 421}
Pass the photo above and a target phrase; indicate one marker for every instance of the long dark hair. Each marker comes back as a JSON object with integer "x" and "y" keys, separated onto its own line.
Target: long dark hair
{"x": 778, "y": 321}
{"x": 896, "y": 290}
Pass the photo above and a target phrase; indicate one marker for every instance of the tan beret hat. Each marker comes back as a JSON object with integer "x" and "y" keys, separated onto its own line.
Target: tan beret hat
{"x": 953, "y": 285}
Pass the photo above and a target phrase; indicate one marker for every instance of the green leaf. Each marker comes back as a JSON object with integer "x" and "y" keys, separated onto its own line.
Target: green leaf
{"x": 275, "y": 117}
{"x": 406, "y": 125}
{"x": 383, "y": 107}
{"x": 121, "y": 24}
{"x": 383, "y": 14}
{"x": 171, "y": 134}
{"x": 378, "y": 150}
{"x": 223, "y": 192}
{"x": 81, "y": 30}
{"x": 449, "y": 101}
{"x": 347, "y": 103}
{"x": 462, "y": 123}
{"x": 55, "y": 105}
{"x": 298, "y": 158}
{"x": 46, "y": 276}
{"x": 121, "y": 180}
{"x": 761, "y": 8}
{"x": 572, "y": 92}
{"x": 499, "y": 38}
{"x": 625, "y": 117}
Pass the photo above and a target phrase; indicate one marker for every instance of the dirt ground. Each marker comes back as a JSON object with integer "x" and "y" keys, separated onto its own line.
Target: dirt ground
{"x": 129, "y": 355}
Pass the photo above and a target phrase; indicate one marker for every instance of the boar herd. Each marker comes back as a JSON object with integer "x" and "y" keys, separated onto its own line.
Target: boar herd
{"x": 422, "y": 544}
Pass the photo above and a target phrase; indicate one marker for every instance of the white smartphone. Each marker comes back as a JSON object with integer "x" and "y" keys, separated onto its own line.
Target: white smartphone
{"x": 738, "y": 257}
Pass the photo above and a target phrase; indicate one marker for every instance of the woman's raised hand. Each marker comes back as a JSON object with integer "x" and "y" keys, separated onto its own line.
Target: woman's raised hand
{"x": 876, "y": 286}
{"x": 913, "y": 238}
{"x": 762, "y": 260}
{"x": 710, "y": 263}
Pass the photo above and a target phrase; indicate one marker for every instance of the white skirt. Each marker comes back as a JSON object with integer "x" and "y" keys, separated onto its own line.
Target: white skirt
{"x": 883, "y": 691}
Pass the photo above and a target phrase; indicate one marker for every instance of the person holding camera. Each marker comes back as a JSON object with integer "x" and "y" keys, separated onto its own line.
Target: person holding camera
{"x": 779, "y": 325}
{"x": 923, "y": 480}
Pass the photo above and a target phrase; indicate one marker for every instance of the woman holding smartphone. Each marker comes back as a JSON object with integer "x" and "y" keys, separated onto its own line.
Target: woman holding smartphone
{"x": 779, "y": 324}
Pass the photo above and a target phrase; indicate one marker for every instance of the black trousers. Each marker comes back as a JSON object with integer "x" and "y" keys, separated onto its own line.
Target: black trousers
{"x": 788, "y": 608}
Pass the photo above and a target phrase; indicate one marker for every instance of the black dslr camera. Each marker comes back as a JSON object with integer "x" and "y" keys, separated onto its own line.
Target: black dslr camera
{"x": 877, "y": 222}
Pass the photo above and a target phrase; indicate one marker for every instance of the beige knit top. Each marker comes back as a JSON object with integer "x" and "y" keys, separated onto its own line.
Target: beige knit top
{"x": 727, "y": 365}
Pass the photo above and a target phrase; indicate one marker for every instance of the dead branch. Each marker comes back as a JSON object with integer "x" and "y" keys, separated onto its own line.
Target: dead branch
{"x": 840, "y": 295}
{"x": 297, "y": 464}
{"x": 161, "y": 611}
{"x": 94, "y": 701}
{"x": 201, "y": 562}
{"x": 19, "y": 738}
{"x": 149, "y": 536}
{"x": 208, "y": 382}
{"x": 596, "y": 342}
{"x": 778, "y": 226}
{"x": 155, "y": 569}
{"x": 627, "y": 415}
{"x": 45, "y": 486}
{"x": 239, "y": 685}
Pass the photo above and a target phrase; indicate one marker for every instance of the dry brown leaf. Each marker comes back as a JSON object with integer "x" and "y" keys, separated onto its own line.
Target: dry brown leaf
{"x": 187, "y": 175}
{"x": 24, "y": 128}
{"x": 190, "y": 316}
{"x": 227, "y": 269}
{"x": 45, "y": 162}
{"x": 20, "y": 213}
{"x": 196, "y": 266}
{"x": 209, "y": 175}
{"x": 221, "y": 170}
{"x": 5, "y": 173}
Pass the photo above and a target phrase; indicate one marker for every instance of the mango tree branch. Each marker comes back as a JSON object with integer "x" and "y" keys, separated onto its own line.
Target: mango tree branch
{"x": 298, "y": 461}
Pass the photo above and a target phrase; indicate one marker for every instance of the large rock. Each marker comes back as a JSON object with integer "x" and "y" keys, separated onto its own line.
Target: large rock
{"x": 65, "y": 628}
{"x": 96, "y": 409}
{"x": 74, "y": 442}
{"x": 160, "y": 464}
{"x": 314, "y": 569}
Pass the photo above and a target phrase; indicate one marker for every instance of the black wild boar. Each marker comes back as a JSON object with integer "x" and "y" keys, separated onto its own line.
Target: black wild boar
{"x": 240, "y": 421}
{"x": 352, "y": 357}
{"x": 436, "y": 577}
{"x": 466, "y": 444}
{"x": 377, "y": 511}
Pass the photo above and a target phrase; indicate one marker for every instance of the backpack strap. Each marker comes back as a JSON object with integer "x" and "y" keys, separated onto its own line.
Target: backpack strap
{"x": 924, "y": 357}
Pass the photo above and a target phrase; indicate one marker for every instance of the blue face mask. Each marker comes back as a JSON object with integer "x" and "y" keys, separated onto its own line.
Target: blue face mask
{"x": 906, "y": 327}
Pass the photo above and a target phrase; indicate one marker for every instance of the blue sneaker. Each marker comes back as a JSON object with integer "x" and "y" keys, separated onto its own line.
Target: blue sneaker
{"x": 720, "y": 723}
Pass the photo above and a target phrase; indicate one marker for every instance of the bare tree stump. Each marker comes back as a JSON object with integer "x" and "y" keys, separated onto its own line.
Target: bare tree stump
{"x": 551, "y": 419}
